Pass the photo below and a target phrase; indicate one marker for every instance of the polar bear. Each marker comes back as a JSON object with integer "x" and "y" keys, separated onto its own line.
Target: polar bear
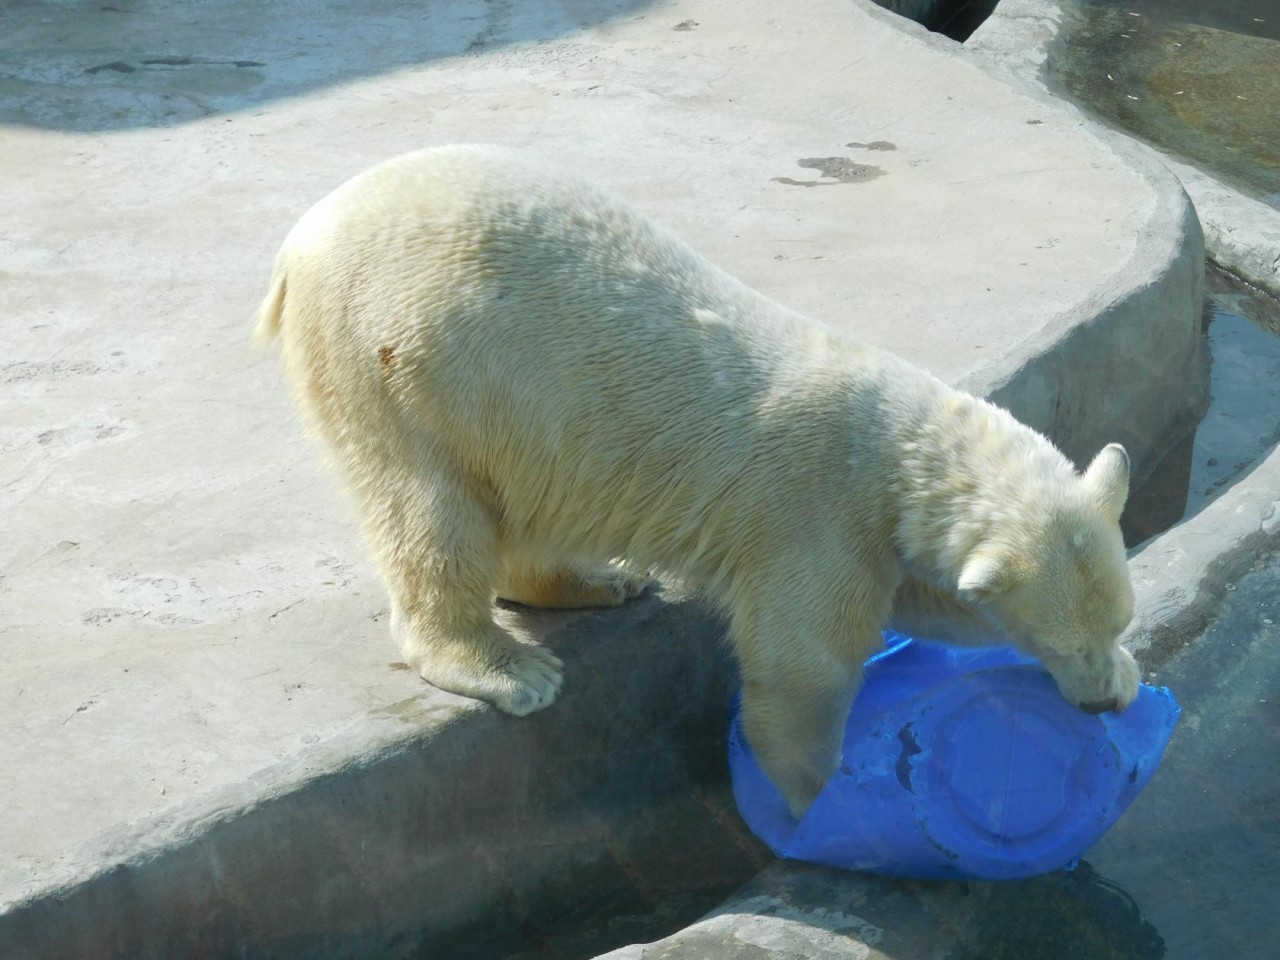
{"x": 524, "y": 381}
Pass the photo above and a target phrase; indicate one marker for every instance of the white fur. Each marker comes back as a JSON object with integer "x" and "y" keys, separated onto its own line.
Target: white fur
{"x": 522, "y": 378}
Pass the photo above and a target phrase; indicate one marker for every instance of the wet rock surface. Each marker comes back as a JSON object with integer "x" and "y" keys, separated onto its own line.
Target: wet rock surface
{"x": 1200, "y": 80}
{"x": 1195, "y": 81}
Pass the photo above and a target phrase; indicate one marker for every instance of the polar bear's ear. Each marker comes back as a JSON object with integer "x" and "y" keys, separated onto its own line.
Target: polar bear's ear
{"x": 1108, "y": 479}
{"x": 982, "y": 578}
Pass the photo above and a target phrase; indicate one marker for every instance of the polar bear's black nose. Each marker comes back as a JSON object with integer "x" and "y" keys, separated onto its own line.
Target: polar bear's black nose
{"x": 1100, "y": 706}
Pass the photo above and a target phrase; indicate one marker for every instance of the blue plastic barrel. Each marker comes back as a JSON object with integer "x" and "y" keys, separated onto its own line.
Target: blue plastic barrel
{"x": 963, "y": 763}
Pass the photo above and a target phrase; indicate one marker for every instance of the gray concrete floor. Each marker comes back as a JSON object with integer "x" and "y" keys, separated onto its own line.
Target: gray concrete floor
{"x": 189, "y": 628}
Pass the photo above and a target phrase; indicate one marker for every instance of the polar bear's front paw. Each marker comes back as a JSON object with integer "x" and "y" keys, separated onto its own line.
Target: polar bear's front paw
{"x": 487, "y": 663}
{"x": 525, "y": 679}
{"x": 517, "y": 678}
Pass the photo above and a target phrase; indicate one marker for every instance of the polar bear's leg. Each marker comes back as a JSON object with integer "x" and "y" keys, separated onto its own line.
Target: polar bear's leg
{"x": 801, "y": 660}
{"x": 794, "y": 720}
{"x": 565, "y": 588}
{"x": 436, "y": 543}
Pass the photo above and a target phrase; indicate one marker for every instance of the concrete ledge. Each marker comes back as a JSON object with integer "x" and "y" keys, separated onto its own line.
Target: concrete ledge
{"x": 436, "y": 826}
{"x": 215, "y": 752}
{"x": 1181, "y": 576}
{"x": 1241, "y": 234}
{"x": 1075, "y": 381}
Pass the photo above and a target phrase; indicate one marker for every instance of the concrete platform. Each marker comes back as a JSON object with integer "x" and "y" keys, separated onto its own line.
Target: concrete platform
{"x": 201, "y": 711}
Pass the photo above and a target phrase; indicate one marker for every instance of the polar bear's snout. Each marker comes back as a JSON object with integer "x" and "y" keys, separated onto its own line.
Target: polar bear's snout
{"x": 1107, "y": 687}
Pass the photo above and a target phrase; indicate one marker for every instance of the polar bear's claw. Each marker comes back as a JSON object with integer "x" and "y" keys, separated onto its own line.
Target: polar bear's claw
{"x": 527, "y": 679}
{"x": 619, "y": 586}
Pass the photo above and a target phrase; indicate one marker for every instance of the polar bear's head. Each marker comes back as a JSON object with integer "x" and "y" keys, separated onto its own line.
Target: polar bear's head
{"x": 1061, "y": 591}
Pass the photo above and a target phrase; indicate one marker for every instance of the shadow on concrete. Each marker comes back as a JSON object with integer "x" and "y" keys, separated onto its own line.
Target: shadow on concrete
{"x": 126, "y": 64}
{"x": 606, "y": 820}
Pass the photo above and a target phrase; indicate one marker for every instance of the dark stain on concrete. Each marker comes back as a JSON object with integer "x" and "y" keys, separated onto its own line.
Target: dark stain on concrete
{"x": 873, "y": 145}
{"x": 198, "y": 61}
{"x": 842, "y": 169}
{"x": 23, "y": 371}
{"x": 791, "y": 182}
{"x": 119, "y": 66}
{"x": 836, "y": 170}
{"x": 686, "y": 25}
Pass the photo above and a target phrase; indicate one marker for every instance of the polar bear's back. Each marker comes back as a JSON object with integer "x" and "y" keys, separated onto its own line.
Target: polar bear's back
{"x": 583, "y": 360}
{"x": 464, "y": 233}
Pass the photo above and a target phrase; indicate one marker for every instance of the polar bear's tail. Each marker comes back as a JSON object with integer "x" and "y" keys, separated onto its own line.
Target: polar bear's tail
{"x": 271, "y": 311}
